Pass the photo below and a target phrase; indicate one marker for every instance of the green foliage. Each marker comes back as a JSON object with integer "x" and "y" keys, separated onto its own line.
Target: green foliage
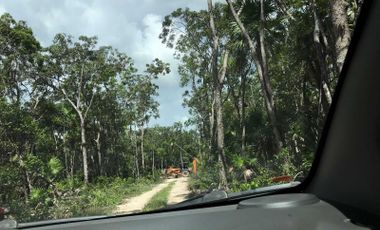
{"x": 55, "y": 166}
{"x": 99, "y": 198}
{"x": 206, "y": 180}
{"x": 73, "y": 95}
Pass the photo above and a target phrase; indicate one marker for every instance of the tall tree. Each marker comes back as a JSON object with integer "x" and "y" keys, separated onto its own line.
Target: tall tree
{"x": 260, "y": 60}
{"x": 77, "y": 71}
{"x": 218, "y": 80}
{"x": 144, "y": 101}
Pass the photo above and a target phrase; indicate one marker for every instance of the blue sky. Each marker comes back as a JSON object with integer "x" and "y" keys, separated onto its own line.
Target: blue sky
{"x": 132, "y": 26}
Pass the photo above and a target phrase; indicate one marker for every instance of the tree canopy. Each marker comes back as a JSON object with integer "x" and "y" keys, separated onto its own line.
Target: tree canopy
{"x": 258, "y": 78}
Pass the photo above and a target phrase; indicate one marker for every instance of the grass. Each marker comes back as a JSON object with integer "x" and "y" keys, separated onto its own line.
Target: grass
{"x": 106, "y": 198}
{"x": 102, "y": 197}
{"x": 159, "y": 200}
{"x": 98, "y": 198}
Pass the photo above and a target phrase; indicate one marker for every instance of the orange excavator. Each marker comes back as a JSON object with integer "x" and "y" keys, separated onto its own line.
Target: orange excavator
{"x": 171, "y": 171}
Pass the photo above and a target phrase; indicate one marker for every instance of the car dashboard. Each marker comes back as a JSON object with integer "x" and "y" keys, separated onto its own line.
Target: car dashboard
{"x": 282, "y": 211}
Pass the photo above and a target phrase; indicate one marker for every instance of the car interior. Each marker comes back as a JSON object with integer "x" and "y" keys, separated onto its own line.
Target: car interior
{"x": 340, "y": 192}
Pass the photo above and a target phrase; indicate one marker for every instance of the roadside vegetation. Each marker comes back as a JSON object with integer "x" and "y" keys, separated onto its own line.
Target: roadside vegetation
{"x": 160, "y": 199}
{"x": 258, "y": 79}
{"x": 75, "y": 200}
{"x": 260, "y": 76}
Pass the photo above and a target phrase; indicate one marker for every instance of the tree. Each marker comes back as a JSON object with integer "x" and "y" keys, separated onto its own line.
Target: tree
{"x": 260, "y": 60}
{"x": 74, "y": 109}
{"x": 218, "y": 80}
{"x": 143, "y": 98}
{"x": 19, "y": 58}
{"x": 342, "y": 34}
{"x": 77, "y": 71}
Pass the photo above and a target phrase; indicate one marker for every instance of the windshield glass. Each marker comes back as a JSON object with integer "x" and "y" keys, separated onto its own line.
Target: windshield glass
{"x": 117, "y": 107}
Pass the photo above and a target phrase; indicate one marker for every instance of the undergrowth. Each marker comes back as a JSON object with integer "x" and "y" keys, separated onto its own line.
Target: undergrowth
{"x": 74, "y": 199}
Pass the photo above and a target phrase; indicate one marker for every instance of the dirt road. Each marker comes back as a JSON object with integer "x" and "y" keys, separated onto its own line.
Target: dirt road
{"x": 180, "y": 191}
{"x": 137, "y": 203}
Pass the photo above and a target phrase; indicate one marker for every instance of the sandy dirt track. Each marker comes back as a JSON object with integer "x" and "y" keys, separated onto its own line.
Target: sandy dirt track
{"x": 180, "y": 191}
{"x": 135, "y": 204}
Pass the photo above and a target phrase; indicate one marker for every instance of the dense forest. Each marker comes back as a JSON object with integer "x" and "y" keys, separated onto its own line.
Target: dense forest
{"x": 258, "y": 79}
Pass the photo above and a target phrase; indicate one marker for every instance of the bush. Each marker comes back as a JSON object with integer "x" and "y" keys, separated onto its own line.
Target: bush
{"x": 206, "y": 180}
{"x": 98, "y": 198}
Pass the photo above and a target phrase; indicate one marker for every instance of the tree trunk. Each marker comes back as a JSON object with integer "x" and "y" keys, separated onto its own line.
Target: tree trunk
{"x": 243, "y": 118}
{"x": 142, "y": 148}
{"x": 262, "y": 72}
{"x": 243, "y": 137}
{"x": 239, "y": 104}
{"x": 27, "y": 186}
{"x": 136, "y": 157}
{"x": 341, "y": 30}
{"x": 84, "y": 149}
{"x": 320, "y": 57}
{"x": 217, "y": 87}
{"x": 72, "y": 165}
{"x": 97, "y": 141}
{"x": 242, "y": 112}
{"x": 220, "y": 122}
{"x": 28, "y": 181}
{"x": 267, "y": 86}
{"x": 66, "y": 154}
{"x": 212, "y": 127}
{"x": 153, "y": 163}
{"x": 181, "y": 159}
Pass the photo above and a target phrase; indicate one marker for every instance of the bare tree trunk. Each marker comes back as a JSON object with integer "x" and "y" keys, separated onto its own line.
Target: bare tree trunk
{"x": 72, "y": 165}
{"x": 320, "y": 56}
{"x": 153, "y": 163}
{"x": 66, "y": 162}
{"x": 212, "y": 126}
{"x": 262, "y": 72}
{"x": 27, "y": 186}
{"x": 219, "y": 118}
{"x": 137, "y": 163}
{"x": 84, "y": 149}
{"x": 28, "y": 181}
{"x": 341, "y": 30}
{"x": 243, "y": 137}
{"x": 239, "y": 104}
{"x": 142, "y": 148}
{"x": 267, "y": 86}
{"x": 243, "y": 122}
{"x": 66, "y": 153}
{"x": 180, "y": 158}
{"x": 136, "y": 155}
{"x": 98, "y": 150}
{"x": 218, "y": 82}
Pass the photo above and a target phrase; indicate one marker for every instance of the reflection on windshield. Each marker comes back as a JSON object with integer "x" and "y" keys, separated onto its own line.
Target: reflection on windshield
{"x": 108, "y": 109}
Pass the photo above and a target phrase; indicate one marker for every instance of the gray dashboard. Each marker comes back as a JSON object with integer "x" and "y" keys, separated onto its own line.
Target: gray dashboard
{"x": 284, "y": 211}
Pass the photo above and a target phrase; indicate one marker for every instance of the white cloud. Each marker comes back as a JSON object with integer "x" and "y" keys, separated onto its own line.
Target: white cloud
{"x": 131, "y": 26}
{"x": 2, "y": 10}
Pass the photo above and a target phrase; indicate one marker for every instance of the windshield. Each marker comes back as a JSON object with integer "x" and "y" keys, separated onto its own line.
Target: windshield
{"x": 117, "y": 107}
